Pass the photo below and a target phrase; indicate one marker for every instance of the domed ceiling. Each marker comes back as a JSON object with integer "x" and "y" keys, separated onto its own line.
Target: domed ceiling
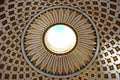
{"x": 26, "y": 52}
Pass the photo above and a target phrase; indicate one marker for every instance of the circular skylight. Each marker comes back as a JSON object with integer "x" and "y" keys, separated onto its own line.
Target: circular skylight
{"x": 60, "y": 39}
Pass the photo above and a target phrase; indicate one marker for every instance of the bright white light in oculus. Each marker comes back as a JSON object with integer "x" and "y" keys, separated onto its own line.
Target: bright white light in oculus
{"x": 60, "y": 39}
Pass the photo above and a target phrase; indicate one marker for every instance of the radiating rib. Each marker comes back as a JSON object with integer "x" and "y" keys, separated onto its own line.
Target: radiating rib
{"x": 85, "y": 31}
{"x": 60, "y": 15}
{"x": 65, "y": 65}
{"x": 50, "y": 17}
{"x": 78, "y": 61}
{"x": 41, "y": 23}
{"x": 85, "y": 26}
{"x": 87, "y": 41}
{"x": 78, "y": 57}
{"x": 76, "y": 19}
{"x": 34, "y": 51}
{"x": 35, "y": 39}
{"x": 45, "y": 61}
{"x": 85, "y": 58}
{"x": 80, "y": 23}
{"x": 41, "y": 56}
{"x": 37, "y": 55}
{"x": 38, "y": 27}
{"x": 45, "y": 20}
{"x": 71, "y": 17}
{"x": 82, "y": 56}
{"x": 50, "y": 63}
{"x": 84, "y": 51}
{"x": 37, "y": 32}
{"x": 87, "y": 37}
{"x": 74, "y": 61}
{"x": 60, "y": 65}
{"x": 71, "y": 66}
{"x": 33, "y": 36}
{"x": 66, "y": 15}
{"x": 55, "y": 65}
{"x": 55, "y": 16}
{"x": 32, "y": 46}
{"x": 86, "y": 46}
{"x": 32, "y": 41}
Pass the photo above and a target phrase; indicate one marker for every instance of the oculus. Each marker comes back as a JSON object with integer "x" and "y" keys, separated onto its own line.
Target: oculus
{"x": 60, "y": 39}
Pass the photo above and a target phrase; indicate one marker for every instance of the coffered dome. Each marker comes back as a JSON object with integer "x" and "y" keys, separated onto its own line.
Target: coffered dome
{"x": 59, "y": 39}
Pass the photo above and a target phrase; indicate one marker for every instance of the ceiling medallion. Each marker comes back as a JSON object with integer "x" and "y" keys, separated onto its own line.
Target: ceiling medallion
{"x": 60, "y": 42}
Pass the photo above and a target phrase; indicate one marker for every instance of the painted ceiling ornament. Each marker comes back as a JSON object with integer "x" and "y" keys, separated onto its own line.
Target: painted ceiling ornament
{"x": 49, "y": 60}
